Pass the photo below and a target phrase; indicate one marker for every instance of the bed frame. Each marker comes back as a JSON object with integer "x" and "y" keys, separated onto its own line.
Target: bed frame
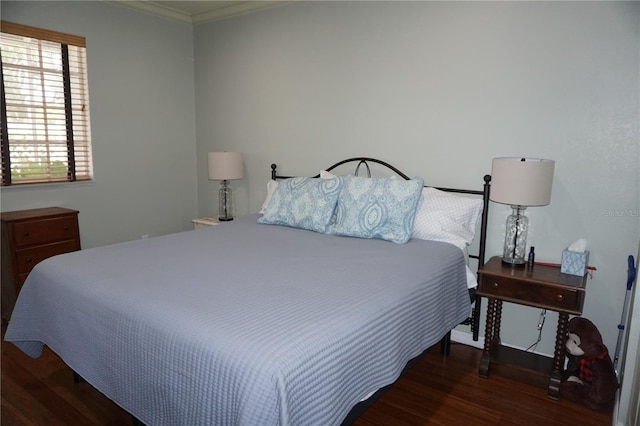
{"x": 474, "y": 320}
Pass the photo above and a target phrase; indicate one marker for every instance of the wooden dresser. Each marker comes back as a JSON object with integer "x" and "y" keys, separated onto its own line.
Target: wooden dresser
{"x": 29, "y": 237}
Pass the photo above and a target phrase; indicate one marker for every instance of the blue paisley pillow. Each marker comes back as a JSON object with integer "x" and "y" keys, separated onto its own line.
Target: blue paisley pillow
{"x": 303, "y": 202}
{"x": 377, "y": 208}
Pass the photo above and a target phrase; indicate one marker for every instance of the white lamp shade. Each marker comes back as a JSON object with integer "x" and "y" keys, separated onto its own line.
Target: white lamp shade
{"x": 521, "y": 181}
{"x": 225, "y": 165}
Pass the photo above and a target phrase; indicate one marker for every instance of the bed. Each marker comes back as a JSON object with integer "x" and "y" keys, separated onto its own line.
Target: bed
{"x": 247, "y": 323}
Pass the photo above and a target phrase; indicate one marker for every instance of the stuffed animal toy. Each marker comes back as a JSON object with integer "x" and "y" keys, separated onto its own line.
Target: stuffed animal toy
{"x": 590, "y": 378}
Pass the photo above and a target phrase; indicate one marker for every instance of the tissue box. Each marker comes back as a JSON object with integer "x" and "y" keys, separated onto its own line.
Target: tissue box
{"x": 574, "y": 263}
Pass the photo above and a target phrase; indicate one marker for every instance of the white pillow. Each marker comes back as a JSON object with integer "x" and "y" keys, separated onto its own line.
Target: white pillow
{"x": 273, "y": 184}
{"x": 448, "y": 217}
{"x": 326, "y": 175}
{"x": 271, "y": 188}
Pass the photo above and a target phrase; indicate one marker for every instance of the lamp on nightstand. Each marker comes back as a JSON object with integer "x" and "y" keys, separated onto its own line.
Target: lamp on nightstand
{"x": 225, "y": 166}
{"x": 521, "y": 183}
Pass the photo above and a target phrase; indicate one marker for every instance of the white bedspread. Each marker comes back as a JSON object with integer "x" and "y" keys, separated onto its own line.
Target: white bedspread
{"x": 241, "y": 323}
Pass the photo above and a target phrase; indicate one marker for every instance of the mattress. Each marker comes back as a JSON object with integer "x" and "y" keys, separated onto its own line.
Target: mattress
{"x": 242, "y": 323}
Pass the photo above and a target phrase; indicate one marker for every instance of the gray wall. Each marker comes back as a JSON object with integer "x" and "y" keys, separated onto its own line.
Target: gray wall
{"x": 141, "y": 94}
{"x": 439, "y": 89}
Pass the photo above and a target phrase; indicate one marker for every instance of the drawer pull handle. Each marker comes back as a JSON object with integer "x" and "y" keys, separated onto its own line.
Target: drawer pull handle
{"x": 560, "y": 298}
{"x": 28, "y": 260}
{"x": 26, "y": 234}
{"x": 495, "y": 285}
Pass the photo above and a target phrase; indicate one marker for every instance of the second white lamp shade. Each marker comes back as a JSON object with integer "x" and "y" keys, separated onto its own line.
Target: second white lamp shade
{"x": 225, "y": 165}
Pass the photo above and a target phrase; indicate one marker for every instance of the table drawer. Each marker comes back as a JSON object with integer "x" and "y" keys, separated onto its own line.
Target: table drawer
{"x": 533, "y": 294}
{"x": 41, "y": 231}
{"x": 28, "y": 258}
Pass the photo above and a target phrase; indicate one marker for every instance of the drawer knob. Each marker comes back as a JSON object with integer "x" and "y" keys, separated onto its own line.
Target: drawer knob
{"x": 66, "y": 228}
{"x": 559, "y": 298}
{"x": 26, "y": 234}
{"x": 495, "y": 285}
{"x": 28, "y": 260}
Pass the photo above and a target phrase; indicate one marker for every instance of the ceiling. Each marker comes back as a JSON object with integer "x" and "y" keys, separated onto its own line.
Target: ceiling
{"x": 198, "y": 12}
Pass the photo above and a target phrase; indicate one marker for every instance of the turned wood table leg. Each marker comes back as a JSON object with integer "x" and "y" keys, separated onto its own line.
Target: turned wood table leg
{"x": 483, "y": 371}
{"x": 496, "y": 324}
{"x": 558, "y": 355}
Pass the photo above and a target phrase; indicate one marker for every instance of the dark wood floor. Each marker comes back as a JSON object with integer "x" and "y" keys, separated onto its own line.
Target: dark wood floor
{"x": 437, "y": 391}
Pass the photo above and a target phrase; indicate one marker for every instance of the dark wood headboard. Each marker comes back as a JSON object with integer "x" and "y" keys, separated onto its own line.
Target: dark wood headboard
{"x": 484, "y": 193}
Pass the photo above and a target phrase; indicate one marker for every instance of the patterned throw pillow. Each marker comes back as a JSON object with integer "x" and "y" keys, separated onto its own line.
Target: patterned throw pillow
{"x": 377, "y": 208}
{"x": 303, "y": 202}
{"x": 443, "y": 216}
{"x": 273, "y": 184}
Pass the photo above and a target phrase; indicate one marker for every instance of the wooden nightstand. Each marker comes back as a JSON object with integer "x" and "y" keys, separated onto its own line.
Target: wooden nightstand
{"x": 203, "y": 222}
{"x": 542, "y": 287}
{"x": 29, "y": 237}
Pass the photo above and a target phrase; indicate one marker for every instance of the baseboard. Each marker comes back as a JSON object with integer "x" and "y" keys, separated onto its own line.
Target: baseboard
{"x": 466, "y": 339}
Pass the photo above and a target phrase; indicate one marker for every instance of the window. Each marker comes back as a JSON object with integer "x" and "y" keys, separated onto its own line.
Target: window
{"x": 45, "y": 107}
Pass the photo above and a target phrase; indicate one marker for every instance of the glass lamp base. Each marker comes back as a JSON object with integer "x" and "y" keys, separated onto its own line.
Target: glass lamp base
{"x": 225, "y": 204}
{"x": 515, "y": 238}
{"x": 513, "y": 262}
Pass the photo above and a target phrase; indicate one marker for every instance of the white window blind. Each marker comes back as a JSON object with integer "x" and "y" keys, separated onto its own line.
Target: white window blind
{"x": 45, "y": 107}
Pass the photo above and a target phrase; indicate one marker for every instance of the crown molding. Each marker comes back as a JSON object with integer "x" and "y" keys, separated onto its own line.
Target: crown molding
{"x": 158, "y": 9}
{"x": 236, "y": 9}
{"x": 153, "y": 8}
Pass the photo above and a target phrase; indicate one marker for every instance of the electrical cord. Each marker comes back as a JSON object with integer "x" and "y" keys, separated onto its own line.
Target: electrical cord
{"x": 543, "y": 315}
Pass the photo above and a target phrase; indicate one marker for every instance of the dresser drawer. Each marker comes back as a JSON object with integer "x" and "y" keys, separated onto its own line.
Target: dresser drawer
{"x": 533, "y": 294}
{"x": 28, "y": 233}
{"x": 28, "y": 258}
